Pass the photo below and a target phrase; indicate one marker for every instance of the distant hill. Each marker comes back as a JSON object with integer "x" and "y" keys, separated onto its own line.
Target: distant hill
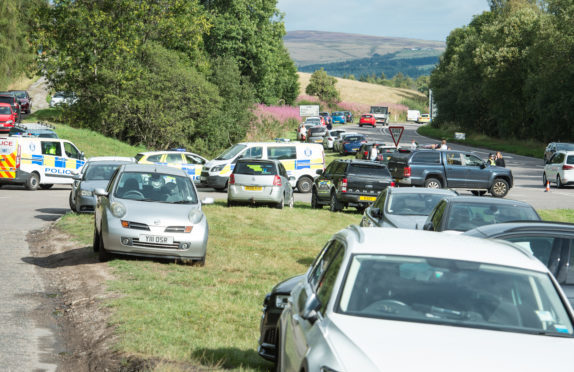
{"x": 317, "y": 47}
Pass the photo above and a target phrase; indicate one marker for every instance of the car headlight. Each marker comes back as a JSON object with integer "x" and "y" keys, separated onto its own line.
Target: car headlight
{"x": 281, "y": 301}
{"x": 217, "y": 168}
{"x": 86, "y": 193}
{"x": 118, "y": 209}
{"x": 195, "y": 216}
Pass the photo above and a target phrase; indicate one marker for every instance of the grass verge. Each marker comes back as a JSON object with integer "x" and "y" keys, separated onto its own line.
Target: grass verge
{"x": 510, "y": 145}
{"x": 209, "y": 316}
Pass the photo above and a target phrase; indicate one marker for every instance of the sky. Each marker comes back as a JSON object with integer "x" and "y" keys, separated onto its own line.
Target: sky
{"x": 416, "y": 19}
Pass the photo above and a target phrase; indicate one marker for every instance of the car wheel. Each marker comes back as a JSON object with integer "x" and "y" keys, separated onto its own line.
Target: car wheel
{"x": 478, "y": 193}
{"x": 360, "y": 125}
{"x": 292, "y": 201}
{"x": 433, "y": 183}
{"x": 559, "y": 183}
{"x": 335, "y": 205}
{"x": 544, "y": 179}
{"x": 304, "y": 184}
{"x": 71, "y": 202}
{"x": 96, "y": 241}
{"x": 278, "y": 352}
{"x": 33, "y": 181}
{"x": 46, "y": 186}
{"x": 499, "y": 188}
{"x": 230, "y": 203}
{"x": 315, "y": 200}
{"x": 199, "y": 263}
{"x": 103, "y": 255}
{"x": 281, "y": 203}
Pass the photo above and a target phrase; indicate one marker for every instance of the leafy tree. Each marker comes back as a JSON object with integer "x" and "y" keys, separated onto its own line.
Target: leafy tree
{"x": 323, "y": 86}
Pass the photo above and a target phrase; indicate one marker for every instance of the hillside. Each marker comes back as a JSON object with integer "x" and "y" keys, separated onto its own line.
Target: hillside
{"x": 317, "y": 47}
{"x": 365, "y": 93}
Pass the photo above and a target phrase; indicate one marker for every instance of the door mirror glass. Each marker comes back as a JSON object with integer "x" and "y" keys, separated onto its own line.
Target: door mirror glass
{"x": 309, "y": 312}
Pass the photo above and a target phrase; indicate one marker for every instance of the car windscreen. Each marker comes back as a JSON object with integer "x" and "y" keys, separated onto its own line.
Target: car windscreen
{"x": 453, "y": 293}
{"x": 4, "y": 110}
{"x": 100, "y": 172}
{"x": 466, "y": 216}
{"x": 255, "y": 168}
{"x": 570, "y": 159}
{"x": 411, "y": 204}
{"x": 231, "y": 152}
{"x": 20, "y": 94}
{"x": 354, "y": 138}
{"x": 374, "y": 170}
{"x": 565, "y": 146}
{"x": 155, "y": 187}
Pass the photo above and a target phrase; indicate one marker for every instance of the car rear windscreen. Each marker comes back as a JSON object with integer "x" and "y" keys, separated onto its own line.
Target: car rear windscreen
{"x": 354, "y": 138}
{"x": 255, "y": 169}
{"x": 369, "y": 170}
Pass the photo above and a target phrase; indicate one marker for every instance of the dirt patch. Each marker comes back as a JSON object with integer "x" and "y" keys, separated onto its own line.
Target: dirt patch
{"x": 76, "y": 293}
{"x": 38, "y": 90}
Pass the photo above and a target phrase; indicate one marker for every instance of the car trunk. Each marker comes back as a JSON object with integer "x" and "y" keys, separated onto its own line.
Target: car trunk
{"x": 367, "y": 179}
{"x": 397, "y": 164}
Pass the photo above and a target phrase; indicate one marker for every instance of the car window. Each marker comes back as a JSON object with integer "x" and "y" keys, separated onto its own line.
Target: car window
{"x": 112, "y": 181}
{"x": 155, "y": 187}
{"x": 380, "y": 202}
{"x": 545, "y": 248}
{"x": 369, "y": 170}
{"x": 471, "y": 160}
{"x": 465, "y": 216}
{"x": 283, "y": 171}
{"x": 322, "y": 263}
{"x": 100, "y": 172}
{"x": 412, "y": 204}
{"x": 231, "y": 152}
{"x": 558, "y": 158}
{"x": 330, "y": 168}
{"x": 354, "y": 138}
{"x": 453, "y": 158}
{"x": 426, "y": 157}
{"x": 453, "y": 293}
{"x": 5, "y": 110}
{"x": 340, "y": 168}
{"x": 327, "y": 283}
{"x": 254, "y": 152}
{"x": 174, "y": 159}
{"x": 281, "y": 152}
{"x": 190, "y": 159}
{"x": 255, "y": 168}
{"x": 437, "y": 214}
{"x": 51, "y": 148}
{"x": 72, "y": 151}
{"x": 154, "y": 158}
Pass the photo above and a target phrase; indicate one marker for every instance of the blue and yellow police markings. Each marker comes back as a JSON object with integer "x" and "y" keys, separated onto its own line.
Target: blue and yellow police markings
{"x": 54, "y": 165}
{"x": 193, "y": 170}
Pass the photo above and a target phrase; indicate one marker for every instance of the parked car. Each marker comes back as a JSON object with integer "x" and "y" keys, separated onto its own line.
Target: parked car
{"x": 349, "y": 183}
{"x": 95, "y": 175}
{"x": 331, "y": 136}
{"x": 552, "y": 147}
{"x": 372, "y": 296}
{"x": 314, "y": 120}
{"x": 256, "y": 181}
{"x": 348, "y": 116}
{"x": 191, "y": 163}
{"x": 350, "y": 143}
{"x": 10, "y": 98}
{"x": 327, "y": 117}
{"x": 150, "y": 211}
{"x": 63, "y": 98}
{"x": 368, "y": 119}
{"x": 24, "y": 100}
{"x": 7, "y": 117}
{"x": 451, "y": 169}
{"x": 550, "y": 242}
{"x": 424, "y": 118}
{"x": 34, "y": 130}
{"x": 382, "y": 149}
{"x": 316, "y": 134}
{"x": 337, "y": 144}
{"x": 403, "y": 207}
{"x": 339, "y": 117}
{"x": 559, "y": 169}
{"x": 462, "y": 213}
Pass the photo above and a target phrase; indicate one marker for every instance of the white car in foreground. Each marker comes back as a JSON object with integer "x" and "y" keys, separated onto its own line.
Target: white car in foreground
{"x": 559, "y": 169}
{"x": 378, "y": 299}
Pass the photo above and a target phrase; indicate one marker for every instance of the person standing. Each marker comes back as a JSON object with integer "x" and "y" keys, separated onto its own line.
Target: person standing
{"x": 374, "y": 152}
{"x": 499, "y": 160}
{"x": 491, "y": 160}
{"x": 443, "y": 145}
{"x": 414, "y": 145}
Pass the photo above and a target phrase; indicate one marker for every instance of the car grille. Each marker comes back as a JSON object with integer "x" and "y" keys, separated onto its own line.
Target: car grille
{"x": 138, "y": 226}
{"x": 138, "y": 243}
{"x": 175, "y": 229}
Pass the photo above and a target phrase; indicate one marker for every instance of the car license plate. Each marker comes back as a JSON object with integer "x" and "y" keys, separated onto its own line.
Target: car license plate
{"x": 367, "y": 198}
{"x": 356, "y": 149}
{"x": 155, "y": 239}
{"x": 253, "y": 188}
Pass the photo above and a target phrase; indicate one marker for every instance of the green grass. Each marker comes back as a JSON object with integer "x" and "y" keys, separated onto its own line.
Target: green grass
{"x": 209, "y": 316}
{"x": 510, "y": 145}
{"x": 560, "y": 215}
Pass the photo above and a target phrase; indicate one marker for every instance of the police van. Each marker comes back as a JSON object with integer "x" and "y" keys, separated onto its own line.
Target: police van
{"x": 38, "y": 162}
{"x": 301, "y": 160}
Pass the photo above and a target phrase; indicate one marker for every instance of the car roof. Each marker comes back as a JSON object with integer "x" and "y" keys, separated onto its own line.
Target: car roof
{"x": 5, "y": 104}
{"x": 485, "y": 200}
{"x": 526, "y": 227}
{"x": 147, "y": 153}
{"x": 422, "y": 190}
{"x": 110, "y": 158}
{"x": 420, "y": 243}
{"x": 257, "y": 160}
{"x": 153, "y": 168}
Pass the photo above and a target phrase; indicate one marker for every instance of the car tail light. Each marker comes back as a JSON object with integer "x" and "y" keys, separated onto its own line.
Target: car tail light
{"x": 344, "y": 185}
{"x": 277, "y": 181}
{"x": 407, "y": 172}
{"x": 363, "y": 141}
{"x": 567, "y": 167}
{"x": 232, "y": 179}
{"x": 393, "y": 184}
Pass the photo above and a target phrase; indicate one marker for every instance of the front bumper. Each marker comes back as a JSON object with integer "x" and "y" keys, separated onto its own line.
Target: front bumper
{"x": 85, "y": 204}
{"x": 268, "y": 329}
{"x": 215, "y": 181}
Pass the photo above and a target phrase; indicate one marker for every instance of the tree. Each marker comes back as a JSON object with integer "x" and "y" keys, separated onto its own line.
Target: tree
{"x": 323, "y": 86}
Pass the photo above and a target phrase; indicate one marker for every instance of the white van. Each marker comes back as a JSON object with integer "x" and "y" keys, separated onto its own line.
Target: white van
{"x": 38, "y": 162}
{"x": 301, "y": 160}
{"x": 413, "y": 115}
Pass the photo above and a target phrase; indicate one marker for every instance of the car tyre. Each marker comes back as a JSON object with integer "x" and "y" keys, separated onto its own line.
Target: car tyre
{"x": 335, "y": 205}
{"x": 499, "y": 188}
{"x": 305, "y": 184}
{"x": 230, "y": 203}
{"x": 478, "y": 193}
{"x": 281, "y": 204}
{"x": 292, "y": 201}
{"x": 559, "y": 183}
{"x": 33, "y": 181}
{"x": 544, "y": 179}
{"x": 71, "y": 202}
{"x": 46, "y": 186}
{"x": 103, "y": 255}
{"x": 96, "y": 241}
{"x": 433, "y": 183}
{"x": 315, "y": 200}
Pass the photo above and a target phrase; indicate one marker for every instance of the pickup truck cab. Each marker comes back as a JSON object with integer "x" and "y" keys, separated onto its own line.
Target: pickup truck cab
{"x": 451, "y": 169}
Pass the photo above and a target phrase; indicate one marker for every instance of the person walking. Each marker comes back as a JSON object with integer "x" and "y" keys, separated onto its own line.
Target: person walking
{"x": 374, "y": 152}
{"x": 499, "y": 160}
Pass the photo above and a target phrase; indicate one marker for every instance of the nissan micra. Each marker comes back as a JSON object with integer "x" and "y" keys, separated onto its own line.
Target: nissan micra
{"x": 150, "y": 211}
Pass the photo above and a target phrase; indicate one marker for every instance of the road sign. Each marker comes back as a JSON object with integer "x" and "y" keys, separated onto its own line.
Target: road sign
{"x": 308, "y": 110}
{"x": 396, "y": 134}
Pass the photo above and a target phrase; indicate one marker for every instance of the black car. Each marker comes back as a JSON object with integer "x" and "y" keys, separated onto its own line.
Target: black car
{"x": 349, "y": 183}
{"x": 463, "y": 213}
{"x": 24, "y": 100}
{"x": 550, "y": 242}
{"x": 556, "y": 146}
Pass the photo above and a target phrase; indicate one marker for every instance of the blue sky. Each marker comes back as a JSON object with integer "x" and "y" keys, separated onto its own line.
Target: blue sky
{"x": 418, "y": 19}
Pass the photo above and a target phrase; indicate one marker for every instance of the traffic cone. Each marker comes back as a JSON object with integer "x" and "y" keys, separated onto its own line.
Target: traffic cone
{"x": 547, "y": 186}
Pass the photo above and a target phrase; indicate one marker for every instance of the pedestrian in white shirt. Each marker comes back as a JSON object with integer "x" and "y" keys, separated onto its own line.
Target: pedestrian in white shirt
{"x": 374, "y": 152}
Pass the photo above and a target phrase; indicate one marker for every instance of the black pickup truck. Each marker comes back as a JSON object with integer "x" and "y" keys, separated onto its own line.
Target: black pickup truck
{"x": 350, "y": 183}
{"x": 452, "y": 169}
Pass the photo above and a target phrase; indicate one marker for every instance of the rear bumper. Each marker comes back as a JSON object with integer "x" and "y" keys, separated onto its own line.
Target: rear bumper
{"x": 20, "y": 179}
{"x": 237, "y": 193}
{"x": 358, "y": 199}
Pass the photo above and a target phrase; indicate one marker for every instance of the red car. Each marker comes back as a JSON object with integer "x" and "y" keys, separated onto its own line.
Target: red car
{"x": 368, "y": 119}
{"x": 7, "y": 117}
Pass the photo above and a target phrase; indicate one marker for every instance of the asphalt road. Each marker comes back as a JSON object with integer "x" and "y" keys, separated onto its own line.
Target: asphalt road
{"x": 29, "y": 338}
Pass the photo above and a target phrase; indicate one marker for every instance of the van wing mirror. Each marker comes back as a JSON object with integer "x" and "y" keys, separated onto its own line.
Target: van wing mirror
{"x": 319, "y": 171}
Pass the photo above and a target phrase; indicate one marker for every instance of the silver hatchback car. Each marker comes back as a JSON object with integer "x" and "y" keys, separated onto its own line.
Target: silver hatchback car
{"x": 257, "y": 181}
{"x": 150, "y": 211}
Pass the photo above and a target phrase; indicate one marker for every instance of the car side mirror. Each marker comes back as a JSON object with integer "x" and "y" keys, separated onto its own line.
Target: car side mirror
{"x": 482, "y": 165}
{"x": 319, "y": 171}
{"x": 376, "y": 212}
{"x": 309, "y": 312}
{"x": 100, "y": 192}
{"x": 77, "y": 177}
{"x": 207, "y": 201}
{"x": 428, "y": 226}
{"x": 82, "y": 156}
